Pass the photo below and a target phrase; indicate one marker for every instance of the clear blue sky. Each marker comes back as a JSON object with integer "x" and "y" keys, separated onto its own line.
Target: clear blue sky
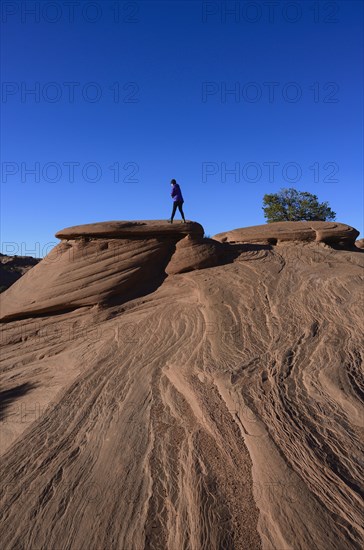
{"x": 144, "y": 87}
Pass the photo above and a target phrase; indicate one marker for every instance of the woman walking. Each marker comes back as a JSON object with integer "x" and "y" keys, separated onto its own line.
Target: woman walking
{"x": 177, "y": 198}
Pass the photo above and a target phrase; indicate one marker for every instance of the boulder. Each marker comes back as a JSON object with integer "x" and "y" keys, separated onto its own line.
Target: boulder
{"x": 194, "y": 253}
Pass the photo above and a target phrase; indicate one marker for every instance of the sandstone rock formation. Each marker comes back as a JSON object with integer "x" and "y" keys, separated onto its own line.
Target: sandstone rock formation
{"x": 131, "y": 229}
{"x": 97, "y": 262}
{"x": 195, "y": 253}
{"x": 325, "y": 232}
{"x": 359, "y": 243}
{"x": 195, "y": 394}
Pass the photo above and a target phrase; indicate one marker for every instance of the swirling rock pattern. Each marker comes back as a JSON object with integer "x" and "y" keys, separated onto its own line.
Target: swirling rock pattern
{"x": 223, "y": 410}
{"x": 97, "y": 262}
{"x": 195, "y": 253}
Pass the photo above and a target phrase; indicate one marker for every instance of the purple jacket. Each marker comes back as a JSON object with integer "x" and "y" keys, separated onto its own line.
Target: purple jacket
{"x": 176, "y": 193}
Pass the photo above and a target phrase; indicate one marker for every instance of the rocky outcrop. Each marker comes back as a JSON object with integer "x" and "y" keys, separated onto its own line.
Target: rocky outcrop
{"x": 272, "y": 233}
{"x": 95, "y": 263}
{"x": 223, "y": 410}
{"x": 360, "y": 243}
{"x": 131, "y": 230}
{"x": 14, "y": 267}
{"x": 195, "y": 253}
{"x": 112, "y": 262}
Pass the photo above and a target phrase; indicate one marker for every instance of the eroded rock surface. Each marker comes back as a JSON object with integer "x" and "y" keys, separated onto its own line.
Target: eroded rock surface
{"x": 325, "y": 232}
{"x": 97, "y": 262}
{"x": 223, "y": 409}
{"x": 118, "y": 260}
{"x": 195, "y": 253}
{"x": 132, "y": 229}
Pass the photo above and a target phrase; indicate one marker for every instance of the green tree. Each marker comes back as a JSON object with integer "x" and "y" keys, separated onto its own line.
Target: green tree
{"x": 292, "y": 205}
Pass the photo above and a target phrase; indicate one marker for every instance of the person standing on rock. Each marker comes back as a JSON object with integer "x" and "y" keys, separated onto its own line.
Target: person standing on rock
{"x": 177, "y": 198}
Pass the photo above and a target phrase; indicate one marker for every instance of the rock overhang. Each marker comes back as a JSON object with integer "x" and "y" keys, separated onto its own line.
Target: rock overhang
{"x": 334, "y": 233}
{"x": 95, "y": 263}
{"x": 139, "y": 229}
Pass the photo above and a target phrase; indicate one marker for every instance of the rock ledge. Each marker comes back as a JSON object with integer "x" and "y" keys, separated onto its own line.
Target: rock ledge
{"x": 131, "y": 229}
{"x": 273, "y": 233}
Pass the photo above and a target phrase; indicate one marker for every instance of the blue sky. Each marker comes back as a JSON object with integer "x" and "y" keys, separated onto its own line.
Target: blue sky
{"x": 128, "y": 95}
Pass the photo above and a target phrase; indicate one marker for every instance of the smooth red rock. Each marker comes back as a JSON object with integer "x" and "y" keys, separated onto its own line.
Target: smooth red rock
{"x": 326, "y": 232}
